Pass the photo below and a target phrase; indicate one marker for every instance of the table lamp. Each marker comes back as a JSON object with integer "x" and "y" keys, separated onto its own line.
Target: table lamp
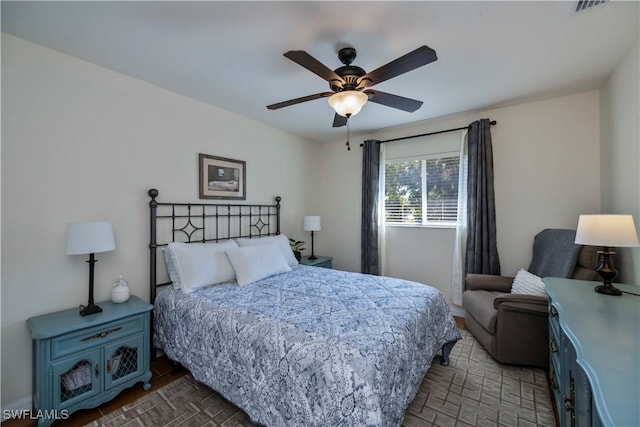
{"x": 607, "y": 231}
{"x": 312, "y": 224}
{"x": 90, "y": 238}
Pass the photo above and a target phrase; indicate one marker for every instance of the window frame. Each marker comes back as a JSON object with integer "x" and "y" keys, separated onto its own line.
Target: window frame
{"x": 422, "y": 158}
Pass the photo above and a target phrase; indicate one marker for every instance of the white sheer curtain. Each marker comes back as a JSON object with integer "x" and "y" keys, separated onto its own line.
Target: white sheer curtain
{"x": 382, "y": 253}
{"x": 457, "y": 275}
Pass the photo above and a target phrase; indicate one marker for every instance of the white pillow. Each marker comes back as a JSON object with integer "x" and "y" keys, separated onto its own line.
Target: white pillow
{"x": 256, "y": 262}
{"x": 281, "y": 239}
{"x": 528, "y": 284}
{"x": 202, "y": 264}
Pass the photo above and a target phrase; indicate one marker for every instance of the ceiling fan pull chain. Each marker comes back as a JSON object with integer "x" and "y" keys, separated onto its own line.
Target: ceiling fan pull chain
{"x": 348, "y": 135}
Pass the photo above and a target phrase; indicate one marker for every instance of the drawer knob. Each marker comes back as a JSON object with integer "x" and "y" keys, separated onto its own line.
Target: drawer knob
{"x": 553, "y": 347}
{"x": 553, "y": 312}
{"x": 101, "y": 334}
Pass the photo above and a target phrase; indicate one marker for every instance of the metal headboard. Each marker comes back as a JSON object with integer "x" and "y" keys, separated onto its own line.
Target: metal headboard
{"x": 205, "y": 222}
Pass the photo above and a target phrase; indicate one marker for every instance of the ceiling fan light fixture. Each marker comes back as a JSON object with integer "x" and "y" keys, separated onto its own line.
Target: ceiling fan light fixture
{"x": 348, "y": 103}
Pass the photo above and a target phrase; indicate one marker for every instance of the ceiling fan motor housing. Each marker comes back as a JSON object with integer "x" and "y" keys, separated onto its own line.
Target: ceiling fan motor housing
{"x": 350, "y": 73}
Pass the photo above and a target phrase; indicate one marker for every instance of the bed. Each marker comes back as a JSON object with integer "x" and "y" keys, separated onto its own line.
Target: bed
{"x": 223, "y": 185}
{"x": 306, "y": 346}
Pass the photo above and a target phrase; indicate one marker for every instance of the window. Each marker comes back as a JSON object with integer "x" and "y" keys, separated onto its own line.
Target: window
{"x": 422, "y": 190}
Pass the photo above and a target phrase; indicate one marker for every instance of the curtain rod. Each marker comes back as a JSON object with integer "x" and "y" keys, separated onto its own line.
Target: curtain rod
{"x": 493, "y": 122}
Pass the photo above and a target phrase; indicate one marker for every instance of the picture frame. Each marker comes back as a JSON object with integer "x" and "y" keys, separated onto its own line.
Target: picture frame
{"x": 221, "y": 178}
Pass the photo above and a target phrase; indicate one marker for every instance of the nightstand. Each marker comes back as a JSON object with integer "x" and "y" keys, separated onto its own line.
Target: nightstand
{"x": 83, "y": 361}
{"x": 321, "y": 261}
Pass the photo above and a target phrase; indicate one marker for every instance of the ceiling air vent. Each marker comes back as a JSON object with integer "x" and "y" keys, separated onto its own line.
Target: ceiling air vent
{"x": 582, "y": 5}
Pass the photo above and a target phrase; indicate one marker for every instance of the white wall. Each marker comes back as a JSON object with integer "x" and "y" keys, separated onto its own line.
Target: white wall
{"x": 80, "y": 142}
{"x": 341, "y": 179}
{"x": 547, "y": 172}
{"x": 620, "y": 154}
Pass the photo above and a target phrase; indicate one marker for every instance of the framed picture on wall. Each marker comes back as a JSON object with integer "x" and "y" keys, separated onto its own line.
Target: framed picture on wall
{"x": 222, "y": 178}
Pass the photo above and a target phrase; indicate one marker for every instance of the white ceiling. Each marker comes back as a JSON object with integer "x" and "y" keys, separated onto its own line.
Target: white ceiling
{"x": 229, "y": 54}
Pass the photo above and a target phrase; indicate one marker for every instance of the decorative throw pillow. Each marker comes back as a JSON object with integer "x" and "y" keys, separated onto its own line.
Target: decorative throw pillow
{"x": 257, "y": 262}
{"x": 201, "y": 264}
{"x": 171, "y": 263}
{"x": 283, "y": 244}
{"x": 528, "y": 284}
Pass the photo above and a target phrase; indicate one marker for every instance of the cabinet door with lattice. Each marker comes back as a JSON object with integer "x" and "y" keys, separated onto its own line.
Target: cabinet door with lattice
{"x": 124, "y": 360}
{"x": 76, "y": 378}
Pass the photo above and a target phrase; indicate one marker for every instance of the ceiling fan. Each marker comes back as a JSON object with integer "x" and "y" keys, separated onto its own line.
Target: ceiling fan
{"x": 350, "y": 84}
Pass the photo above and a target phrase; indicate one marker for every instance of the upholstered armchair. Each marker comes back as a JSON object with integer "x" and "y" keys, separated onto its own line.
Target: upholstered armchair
{"x": 513, "y": 328}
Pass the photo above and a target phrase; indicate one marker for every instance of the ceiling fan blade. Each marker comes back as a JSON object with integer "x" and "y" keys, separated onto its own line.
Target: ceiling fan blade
{"x": 339, "y": 121}
{"x": 412, "y": 60}
{"x": 299, "y": 100}
{"x": 301, "y": 57}
{"x": 394, "y": 101}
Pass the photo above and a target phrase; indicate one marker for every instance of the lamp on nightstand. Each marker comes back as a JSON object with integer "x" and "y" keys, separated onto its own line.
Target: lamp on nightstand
{"x": 90, "y": 238}
{"x": 311, "y": 223}
{"x": 608, "y": 231}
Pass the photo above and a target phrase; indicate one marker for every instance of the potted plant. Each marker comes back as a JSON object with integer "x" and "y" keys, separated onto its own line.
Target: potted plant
{"x": 297, "y": 246}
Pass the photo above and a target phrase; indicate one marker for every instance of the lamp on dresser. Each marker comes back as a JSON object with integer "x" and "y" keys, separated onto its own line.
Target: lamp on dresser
{"x": 89, "y": 238}
{"x": 312, "y": 224}
{"x": 609, "y": 232}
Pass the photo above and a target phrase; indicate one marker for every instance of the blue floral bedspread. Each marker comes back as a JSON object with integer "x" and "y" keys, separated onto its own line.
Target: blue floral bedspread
{"x": 312, "y": 347}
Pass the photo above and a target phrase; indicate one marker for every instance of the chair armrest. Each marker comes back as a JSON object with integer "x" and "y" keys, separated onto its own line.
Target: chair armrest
{"x": 489, "y": 282}
{"x": 522, "y": 329}
{"x": 524, "y": 303}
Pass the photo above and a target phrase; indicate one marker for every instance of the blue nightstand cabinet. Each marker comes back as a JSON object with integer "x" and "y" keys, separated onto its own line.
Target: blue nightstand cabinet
{"x": 594, "y": 348}
{"x": 320, "y": 261}
{"x": 83, "y": 361}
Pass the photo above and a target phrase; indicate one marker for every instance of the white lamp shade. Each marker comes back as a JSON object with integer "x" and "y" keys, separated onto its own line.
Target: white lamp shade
{"x": 311, "y": 223}
{"x": 348, "y": 103}
{"x": 90, "y": 238}
{"x": 607, "y": 230}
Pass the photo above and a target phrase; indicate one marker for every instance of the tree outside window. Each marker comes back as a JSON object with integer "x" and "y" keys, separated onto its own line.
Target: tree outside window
{"x": 422, "y": 191}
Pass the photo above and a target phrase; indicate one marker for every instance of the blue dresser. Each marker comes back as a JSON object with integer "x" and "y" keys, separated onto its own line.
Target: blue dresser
{"x": 594, "y": 343}
{"x": 83, "y": 361}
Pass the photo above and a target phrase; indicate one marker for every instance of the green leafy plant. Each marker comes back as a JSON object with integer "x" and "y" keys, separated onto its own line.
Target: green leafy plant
{"x": 296, "y": 245}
